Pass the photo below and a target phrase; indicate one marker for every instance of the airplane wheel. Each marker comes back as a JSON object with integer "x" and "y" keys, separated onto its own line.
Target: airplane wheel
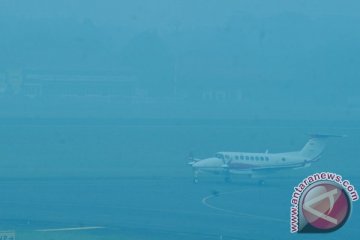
{"x": 195, "y": 180}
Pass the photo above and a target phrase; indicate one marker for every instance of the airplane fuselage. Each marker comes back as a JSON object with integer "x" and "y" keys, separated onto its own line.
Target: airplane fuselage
{"x": 261, "y": 164}
{"x": 247, "y": 163}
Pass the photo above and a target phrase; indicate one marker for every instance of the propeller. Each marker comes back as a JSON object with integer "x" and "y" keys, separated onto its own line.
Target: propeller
{"x": 192, "y": 159}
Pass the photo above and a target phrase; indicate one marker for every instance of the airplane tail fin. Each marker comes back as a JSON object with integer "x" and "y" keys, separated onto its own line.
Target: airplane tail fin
{"x": 315, "y": 146}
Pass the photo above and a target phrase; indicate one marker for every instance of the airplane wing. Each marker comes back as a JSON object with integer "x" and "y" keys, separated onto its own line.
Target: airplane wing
{"x": 279, "y": 167}
{"x": 326, "y": 136}
{"x": 262, "y": 172}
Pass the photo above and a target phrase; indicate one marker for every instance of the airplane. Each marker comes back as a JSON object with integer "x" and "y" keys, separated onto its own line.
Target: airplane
{"x": 260, "y": 165}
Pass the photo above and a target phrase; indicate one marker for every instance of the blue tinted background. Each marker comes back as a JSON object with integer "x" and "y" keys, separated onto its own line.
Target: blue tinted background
{"x": 102, "y": 102}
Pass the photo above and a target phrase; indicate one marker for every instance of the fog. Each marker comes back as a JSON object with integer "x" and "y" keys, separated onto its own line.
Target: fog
{"x": 249, "y": 60}
{"x": 104, "y": 101}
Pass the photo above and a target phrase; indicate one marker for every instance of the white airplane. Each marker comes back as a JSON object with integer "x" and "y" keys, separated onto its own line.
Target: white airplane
{"x": 260, "y": 165}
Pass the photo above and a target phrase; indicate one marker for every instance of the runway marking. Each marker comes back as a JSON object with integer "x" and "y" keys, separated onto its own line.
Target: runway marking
{"x": 69, "y": 229}
{"x": 242, "y": 214}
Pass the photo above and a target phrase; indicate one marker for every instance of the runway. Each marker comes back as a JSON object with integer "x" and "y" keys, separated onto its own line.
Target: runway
{"x": 150, "y": 208}
{"x": 132, "y": 182}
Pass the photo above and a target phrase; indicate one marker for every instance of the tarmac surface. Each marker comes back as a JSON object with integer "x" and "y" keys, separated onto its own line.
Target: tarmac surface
{"x": 152, "y": 208}
{"x": 108, "y": 181}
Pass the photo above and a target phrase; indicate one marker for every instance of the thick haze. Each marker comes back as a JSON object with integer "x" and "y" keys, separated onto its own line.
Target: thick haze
{"x": 273, "y": 59}
{"x": 102, "y": 103}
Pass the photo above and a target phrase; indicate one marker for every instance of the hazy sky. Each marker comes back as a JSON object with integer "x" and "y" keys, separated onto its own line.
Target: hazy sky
{"x": 290, "y": 48}
{"x": 162, "y": 13}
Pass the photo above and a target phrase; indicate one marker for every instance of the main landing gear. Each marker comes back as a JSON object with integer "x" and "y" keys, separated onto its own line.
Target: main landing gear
{"x": 228, "y": 179}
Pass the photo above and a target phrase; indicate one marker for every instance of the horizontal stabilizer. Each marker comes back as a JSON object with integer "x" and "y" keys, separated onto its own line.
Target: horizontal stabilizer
{"x": 326, "y": 136}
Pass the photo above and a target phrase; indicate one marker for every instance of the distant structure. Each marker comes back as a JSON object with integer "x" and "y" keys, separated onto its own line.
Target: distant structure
{"x": 30, "y": 84}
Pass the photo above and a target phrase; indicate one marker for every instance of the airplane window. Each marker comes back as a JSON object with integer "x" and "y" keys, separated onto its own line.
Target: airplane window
{"x": 241, "y": 157}
{"x": 267, "y": 158}
{"x": 284, "y": 159}
{"x": 247, "y": 158}
{"x": 236, "y": 157}
{"x": 257, "y": 158}
{"x": 262, "y": 158}
{"x": 252, "y": 158}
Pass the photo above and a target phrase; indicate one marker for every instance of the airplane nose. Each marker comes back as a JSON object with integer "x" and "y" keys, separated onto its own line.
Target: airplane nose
{"x": 197, "y": 164}
{"x": 208, "y": 163}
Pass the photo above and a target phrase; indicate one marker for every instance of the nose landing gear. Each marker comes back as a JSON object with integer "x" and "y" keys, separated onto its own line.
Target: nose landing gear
{"x": 195, "y": 178}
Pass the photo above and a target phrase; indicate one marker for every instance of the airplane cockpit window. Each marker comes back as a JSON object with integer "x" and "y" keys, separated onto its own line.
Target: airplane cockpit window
{"x": 220, "y": 156}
